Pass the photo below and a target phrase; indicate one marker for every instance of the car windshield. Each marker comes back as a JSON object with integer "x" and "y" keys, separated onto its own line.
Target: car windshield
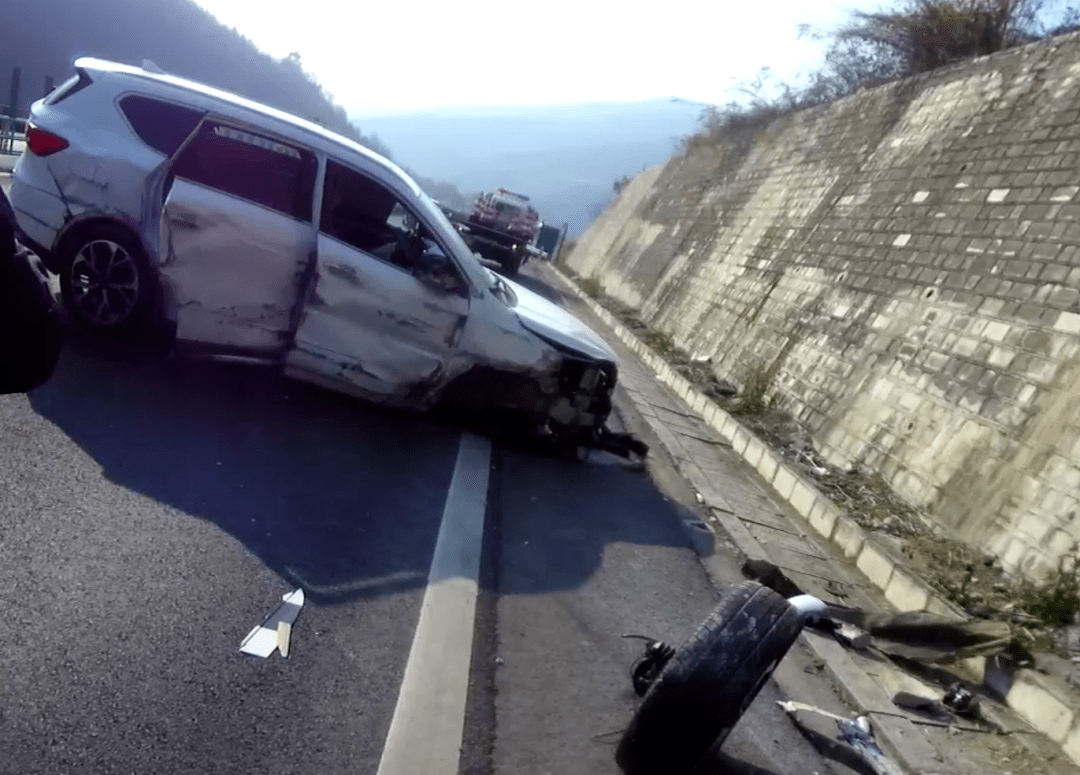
{"x": 478, "y": 273}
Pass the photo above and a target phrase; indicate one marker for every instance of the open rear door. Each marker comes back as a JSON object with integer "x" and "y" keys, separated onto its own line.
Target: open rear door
{"x": 236, "y": 237}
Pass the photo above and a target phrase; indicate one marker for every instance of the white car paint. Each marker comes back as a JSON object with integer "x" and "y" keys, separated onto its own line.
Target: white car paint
{"x": 239, "y": 275}
{"x": 244, "y": 301}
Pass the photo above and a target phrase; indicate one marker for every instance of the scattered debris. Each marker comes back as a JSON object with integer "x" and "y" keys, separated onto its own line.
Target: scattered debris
{"x": 916, "y": 635}
{"x": 960, "y": 699}
{"x": 929, "y": 638}
{"x": 284, "y": 638}
{"x": 276, "y": 630}
{"x": 927, "y": 705}
{"x": 857, "y": 734}
{"x": 649, "y": 665}
{"x": 853, "y": 637}
{"x": 771, "y": 576}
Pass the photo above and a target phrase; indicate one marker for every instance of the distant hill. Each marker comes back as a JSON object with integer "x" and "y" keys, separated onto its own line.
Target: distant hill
{"x": 564, "y": 157}
{"x": 43, "y": 37}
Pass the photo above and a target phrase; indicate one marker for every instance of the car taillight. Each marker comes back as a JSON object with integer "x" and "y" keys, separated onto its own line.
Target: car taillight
{"x": 42, "y": 143}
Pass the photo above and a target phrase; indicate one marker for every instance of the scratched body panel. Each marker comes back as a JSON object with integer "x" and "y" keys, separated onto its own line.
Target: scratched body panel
{"x": 234, "y": 268}
{"x": 375, "y": 326}
{"x": 256, "y": 247}
{"x": 89, "y": 182}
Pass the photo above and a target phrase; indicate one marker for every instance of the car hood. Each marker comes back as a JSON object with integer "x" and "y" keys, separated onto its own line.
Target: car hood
{"x": 557, "y": 325}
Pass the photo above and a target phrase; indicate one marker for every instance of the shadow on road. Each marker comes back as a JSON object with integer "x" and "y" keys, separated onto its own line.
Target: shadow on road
{"x": 338, "y": 496}
{"x": 334, "y": 495}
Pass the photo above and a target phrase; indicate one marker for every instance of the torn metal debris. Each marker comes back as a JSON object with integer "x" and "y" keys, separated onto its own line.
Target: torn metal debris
{"x": 916, "y": 635}
{"x": 857, "y": 734}
{"x": 275, "y": 633}
{"x": 961, "y": 700}
{"x": 649, "y": 665}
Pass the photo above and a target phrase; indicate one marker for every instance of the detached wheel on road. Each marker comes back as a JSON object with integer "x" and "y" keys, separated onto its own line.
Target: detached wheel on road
{"x": 105, "y": 279}
{"x": 703, "y": 691}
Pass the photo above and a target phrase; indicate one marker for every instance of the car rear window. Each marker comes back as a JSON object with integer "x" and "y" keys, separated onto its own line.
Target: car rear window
{"x": 161, "y": 125}
{"x": 251, "y": 166}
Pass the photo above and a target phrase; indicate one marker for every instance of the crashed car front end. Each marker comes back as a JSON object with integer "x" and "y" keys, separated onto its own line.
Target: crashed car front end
{"x": 581, "y": 411}
{"x": 545, "y": 366}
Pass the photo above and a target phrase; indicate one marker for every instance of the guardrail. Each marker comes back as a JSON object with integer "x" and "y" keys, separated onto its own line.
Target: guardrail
{"x": 12, "y": 131}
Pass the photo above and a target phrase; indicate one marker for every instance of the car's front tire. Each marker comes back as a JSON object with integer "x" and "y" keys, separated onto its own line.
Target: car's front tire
{"x": 105, "y": 279}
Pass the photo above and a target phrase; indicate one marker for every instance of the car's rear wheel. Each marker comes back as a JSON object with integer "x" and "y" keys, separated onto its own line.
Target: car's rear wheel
{"x": 105, "y": 279}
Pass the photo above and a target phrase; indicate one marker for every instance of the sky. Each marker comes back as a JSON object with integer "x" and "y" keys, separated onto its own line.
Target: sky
{"x": 380, "y": 57}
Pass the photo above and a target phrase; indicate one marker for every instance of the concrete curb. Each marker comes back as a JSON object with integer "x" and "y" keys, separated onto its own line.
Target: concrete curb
{"x": 1045, "y": 705}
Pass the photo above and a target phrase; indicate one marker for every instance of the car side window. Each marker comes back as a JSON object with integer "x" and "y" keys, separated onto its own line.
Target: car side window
{"x": 250, "y": 166}
{"x": 364, "y": 213}
{"x": 161, "y": 125}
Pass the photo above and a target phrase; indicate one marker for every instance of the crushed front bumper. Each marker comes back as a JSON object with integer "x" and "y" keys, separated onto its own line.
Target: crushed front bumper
{"x": 579, "y": 415}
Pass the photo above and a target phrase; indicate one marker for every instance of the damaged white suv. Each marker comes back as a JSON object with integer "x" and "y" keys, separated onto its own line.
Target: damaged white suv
{"x": 246, "y": 233}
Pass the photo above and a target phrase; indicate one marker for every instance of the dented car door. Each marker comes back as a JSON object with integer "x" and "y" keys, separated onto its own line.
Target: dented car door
{"x": 236, "y": 235}
{"x": 370, "y": 324}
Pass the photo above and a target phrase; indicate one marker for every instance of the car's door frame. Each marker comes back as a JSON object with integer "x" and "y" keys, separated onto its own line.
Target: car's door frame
{"x": 346, "y": 371}
{"x": 159, "y": 188}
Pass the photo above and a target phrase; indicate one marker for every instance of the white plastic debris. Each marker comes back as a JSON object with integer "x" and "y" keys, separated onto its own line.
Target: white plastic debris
{"x": 275, "y": 631}
{"x": 810, "y": 607}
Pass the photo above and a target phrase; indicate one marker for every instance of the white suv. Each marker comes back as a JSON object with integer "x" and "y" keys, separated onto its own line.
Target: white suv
{"x": 245, "y": 232}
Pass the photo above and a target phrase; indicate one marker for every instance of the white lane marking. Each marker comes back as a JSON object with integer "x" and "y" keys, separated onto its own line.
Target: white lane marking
{"x": 429, "y": 720}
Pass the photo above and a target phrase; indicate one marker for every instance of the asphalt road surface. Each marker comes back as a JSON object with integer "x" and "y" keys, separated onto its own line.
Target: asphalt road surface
{"x": 153, "y": 511}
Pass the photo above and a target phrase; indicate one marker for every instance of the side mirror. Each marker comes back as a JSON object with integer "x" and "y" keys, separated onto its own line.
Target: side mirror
{"x": 437, "y": 271}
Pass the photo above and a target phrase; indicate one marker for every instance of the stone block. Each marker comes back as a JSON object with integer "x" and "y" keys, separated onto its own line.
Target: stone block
{"x": 754, "y": 451}
{"x": 740, "y": 438}
{"x": 697, "y": 401}
{"x": 767, "y": 465}
{"x": 824, "y": 517}
{"x": 1068, "y": 323}
{"x": 937, "y": 605}
{"x": 1071, "y": 746}
{"x": 906, "y": 593}
{"x": 784, "y": 481}
{"x": 1035, "y": 702}
{"x": 727, "y": 425}
{"x": 847, "y": 535}
{"x": 875, "y": 564}
{"x": 803, "y": 499}
{"x": 711, "y": 415}
{"x": 997, "y": 331}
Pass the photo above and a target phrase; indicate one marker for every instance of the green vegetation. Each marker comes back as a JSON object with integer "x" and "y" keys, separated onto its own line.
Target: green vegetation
{"x": 659, "y": 342}
{"x": 1056, "y": 600}
{"x": 754, "y": 396}
{"x": 591, "y": 286}
{"x": 872, "y": 48}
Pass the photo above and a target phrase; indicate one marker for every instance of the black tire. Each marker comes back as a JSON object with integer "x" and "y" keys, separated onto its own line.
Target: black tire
{"x": 106, "y": 281}
{"x": 709, "y": 683}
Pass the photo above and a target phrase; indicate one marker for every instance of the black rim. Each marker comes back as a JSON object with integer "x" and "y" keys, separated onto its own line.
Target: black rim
{"x": 104, "y": 282}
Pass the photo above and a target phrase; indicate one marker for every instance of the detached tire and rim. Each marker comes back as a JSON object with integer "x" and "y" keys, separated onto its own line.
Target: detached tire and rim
{"x": 695, "y": 702}
{"x": 104, "y": 278}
